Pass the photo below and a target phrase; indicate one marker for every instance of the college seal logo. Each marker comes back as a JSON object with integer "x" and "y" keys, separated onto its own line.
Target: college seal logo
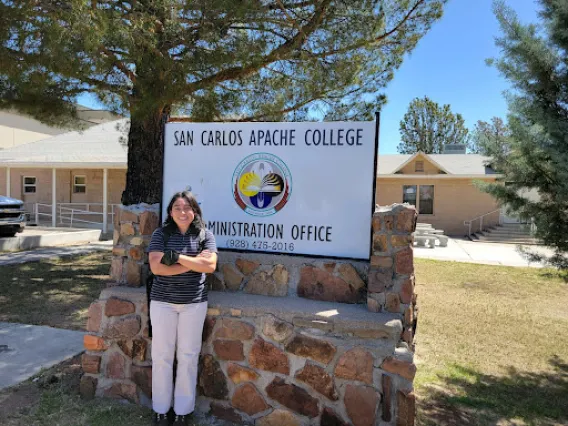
{"x": 262, "y": 184}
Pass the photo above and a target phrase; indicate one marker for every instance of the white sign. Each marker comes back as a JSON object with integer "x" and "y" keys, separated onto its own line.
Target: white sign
{"x": 298, "y": 188}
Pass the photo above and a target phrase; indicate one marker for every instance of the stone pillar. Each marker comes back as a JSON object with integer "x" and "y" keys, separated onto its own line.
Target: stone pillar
{"x": 391, "y": 289}
{"x": 117, "y": 360}
{"x": 391, "y": 274}
{"x": 132, "y": 232}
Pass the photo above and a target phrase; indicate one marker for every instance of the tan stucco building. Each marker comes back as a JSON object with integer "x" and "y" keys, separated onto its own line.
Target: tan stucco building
{"x": 441, "y": 186}
{"x": 62, "y": 177}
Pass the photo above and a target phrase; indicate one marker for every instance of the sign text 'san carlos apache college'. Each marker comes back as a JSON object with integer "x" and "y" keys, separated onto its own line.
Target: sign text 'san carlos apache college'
{"x": 299, "y": 188}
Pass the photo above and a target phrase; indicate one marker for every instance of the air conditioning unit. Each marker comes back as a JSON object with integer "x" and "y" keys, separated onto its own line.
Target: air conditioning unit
{"x": 455, "y": 149}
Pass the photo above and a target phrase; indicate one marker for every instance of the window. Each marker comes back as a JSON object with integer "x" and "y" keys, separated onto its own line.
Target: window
{"x": 79, "y": 184}
{"x": 409, "y": 194}
{"x": 426, "y": 199}
{"x": 420, "y": 196}
{"x": 419, "y": 166}
{"x": 29, "y": 184}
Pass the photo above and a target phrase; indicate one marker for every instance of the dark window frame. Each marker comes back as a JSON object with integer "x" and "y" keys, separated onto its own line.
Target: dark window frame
{"x": 428, "y": 202}
{"x": 26, "y": 186}
{"x": 416, "y": 200}
{"x": 76, "y": 185}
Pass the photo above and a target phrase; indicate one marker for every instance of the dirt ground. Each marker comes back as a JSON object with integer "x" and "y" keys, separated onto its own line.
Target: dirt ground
{"x": 17, "y": 404}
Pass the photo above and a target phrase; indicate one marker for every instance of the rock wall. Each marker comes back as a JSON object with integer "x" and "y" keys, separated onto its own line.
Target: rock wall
{"x": 304, "y": 363}
{"x": 283, "y": 366}
{"x": 132, "y": 232}
{"x": 117, "y": 360}
{"x": 309, "y": 351}
{"x": 283, "y": 275}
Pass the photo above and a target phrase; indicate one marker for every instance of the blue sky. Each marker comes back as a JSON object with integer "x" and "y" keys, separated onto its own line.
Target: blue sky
{"x": 448, "y": 65}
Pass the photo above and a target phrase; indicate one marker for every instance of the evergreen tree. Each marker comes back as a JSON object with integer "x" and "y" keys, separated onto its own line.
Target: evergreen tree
{"x": 427, "y": 127}
{"x": 488, "y": 137}
{"x": 535, "y": 61}
{"x": 210, "y": 59}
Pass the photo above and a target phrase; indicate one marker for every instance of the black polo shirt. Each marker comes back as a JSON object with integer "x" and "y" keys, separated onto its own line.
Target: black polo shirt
{"x": 189, "y": 287}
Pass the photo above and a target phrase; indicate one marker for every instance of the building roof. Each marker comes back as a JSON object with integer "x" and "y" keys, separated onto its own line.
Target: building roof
{"x": 454, "y": 164}
{"x": 86, "y": 117}
{"x": 103, "y": 145}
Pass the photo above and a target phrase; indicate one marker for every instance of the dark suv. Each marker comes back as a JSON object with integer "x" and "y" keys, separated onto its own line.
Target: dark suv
{"x": 12, "y": 216}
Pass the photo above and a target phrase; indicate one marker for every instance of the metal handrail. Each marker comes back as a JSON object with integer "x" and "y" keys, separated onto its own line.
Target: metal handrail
{"x": 480, "y": 218}
{"x": 38, "y": 214}
{"x": 34, "y": 210}
{"x": 67, "y": 214}
{"x": 71, "y": 213}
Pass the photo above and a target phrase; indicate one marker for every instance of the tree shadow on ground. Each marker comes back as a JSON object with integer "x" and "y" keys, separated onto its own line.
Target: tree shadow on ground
{"x": 55, "y": 293}
{"x": 467, "y": 397}
{"x": 555, "y": 274}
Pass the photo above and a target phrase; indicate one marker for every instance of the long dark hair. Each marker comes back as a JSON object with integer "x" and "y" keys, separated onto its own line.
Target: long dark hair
{"x": 197, "y": 225}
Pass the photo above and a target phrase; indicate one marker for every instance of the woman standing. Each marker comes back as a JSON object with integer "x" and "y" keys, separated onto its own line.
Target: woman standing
{"x": 178, "y": 305}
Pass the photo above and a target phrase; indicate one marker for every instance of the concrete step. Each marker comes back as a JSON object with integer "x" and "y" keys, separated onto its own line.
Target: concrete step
{"x": 519, "y": 242}
{"x": 510, "y": 229}
{"x": 34, "y": 237}
{"x": 503, "y": 239}
{"x": 506, "y": 232}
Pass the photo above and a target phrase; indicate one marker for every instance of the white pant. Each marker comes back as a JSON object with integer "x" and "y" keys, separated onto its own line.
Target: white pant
{"x": 171, "y": 324}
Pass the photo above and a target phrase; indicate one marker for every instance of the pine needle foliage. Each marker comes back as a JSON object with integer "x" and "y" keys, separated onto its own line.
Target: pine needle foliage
{"x": 428, "y": 127}
{"x": 535, "y": 61}
{"x": 212, "y": 60}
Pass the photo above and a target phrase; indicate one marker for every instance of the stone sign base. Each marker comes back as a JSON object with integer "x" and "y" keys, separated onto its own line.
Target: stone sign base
{"x": 264, "y": 362}
{"x": 288, "y": 340}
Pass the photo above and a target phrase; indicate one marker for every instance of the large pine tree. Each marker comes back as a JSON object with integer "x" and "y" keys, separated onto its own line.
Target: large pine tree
{"x": 211, "y": 59}
{"x": 535, "y": 60}
{"x": 428, "y": 127}
{"x": 488, "y": 136}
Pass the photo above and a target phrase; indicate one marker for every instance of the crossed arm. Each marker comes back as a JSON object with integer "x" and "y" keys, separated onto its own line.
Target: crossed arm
{"x": 206, "y": 261}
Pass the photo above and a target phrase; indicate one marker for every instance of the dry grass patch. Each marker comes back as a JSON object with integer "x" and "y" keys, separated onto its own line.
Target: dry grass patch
{"x": 56, "y": 293}
{"x": 491, "y": 345}
{"x": 52, "y": 398}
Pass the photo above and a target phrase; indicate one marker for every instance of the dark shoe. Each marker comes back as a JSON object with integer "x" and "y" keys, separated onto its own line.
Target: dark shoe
{"x": 160, "y": 419}
{"x": 182, "y": 420}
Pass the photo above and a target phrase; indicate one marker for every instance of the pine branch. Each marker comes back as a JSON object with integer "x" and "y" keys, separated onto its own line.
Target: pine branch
{"x": 118, "y": 64}
{"x": 377, "y": 40}
{"x": 294, "y": 107}
{"x": 278, "y": 53}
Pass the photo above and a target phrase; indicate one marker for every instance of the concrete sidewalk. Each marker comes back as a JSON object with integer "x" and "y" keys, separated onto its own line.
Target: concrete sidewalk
{"x": 459, "y": 250}
{"x": 37, "y": 236}
{"x": 53, "y": 253}
{"x": 25, "y": 350}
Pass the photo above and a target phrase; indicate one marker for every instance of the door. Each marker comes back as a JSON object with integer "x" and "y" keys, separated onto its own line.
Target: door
{"x": 509, "y": 217}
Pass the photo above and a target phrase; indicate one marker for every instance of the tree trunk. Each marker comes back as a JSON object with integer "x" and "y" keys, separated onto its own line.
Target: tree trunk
{"x": 145, "y": 158}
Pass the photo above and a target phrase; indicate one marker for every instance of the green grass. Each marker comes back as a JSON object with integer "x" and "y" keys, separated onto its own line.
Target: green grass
{"x": 57, "y": 407}
{"x": 55, "y": 293}
{"x": 491, "y": 345}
